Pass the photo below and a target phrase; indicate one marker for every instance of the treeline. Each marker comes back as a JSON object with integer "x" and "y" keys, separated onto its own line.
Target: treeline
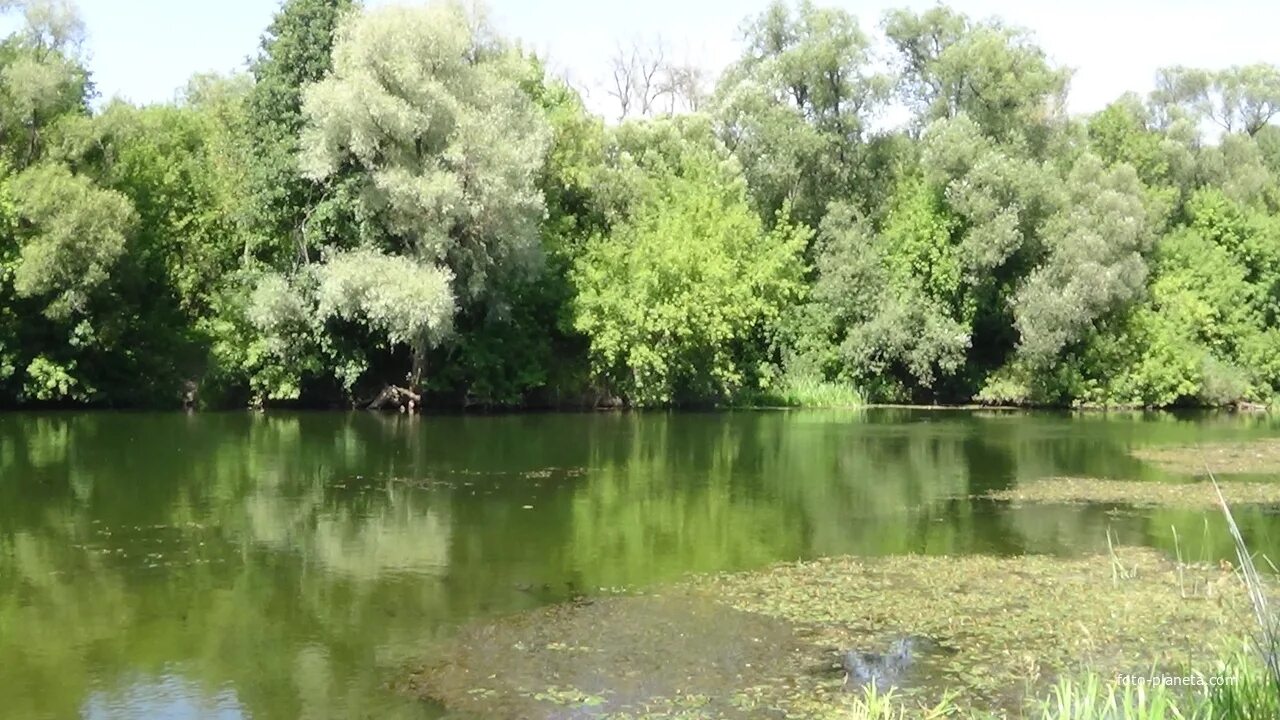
{"x": 398, "y": 205}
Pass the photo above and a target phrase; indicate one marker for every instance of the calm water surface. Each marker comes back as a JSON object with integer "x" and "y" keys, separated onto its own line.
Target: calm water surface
{"x": 292, "y": 565}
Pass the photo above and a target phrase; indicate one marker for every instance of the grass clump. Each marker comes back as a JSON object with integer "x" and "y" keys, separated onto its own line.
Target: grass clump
{"x": 1237, "y": 688}
{"x": 1255, "y": 692}
{"x": 805, "y": 391}
{"x": 1093, "y": 698}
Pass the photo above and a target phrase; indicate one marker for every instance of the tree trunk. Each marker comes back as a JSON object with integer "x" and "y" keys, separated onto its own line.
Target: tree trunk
{"x": 419, "y": 366}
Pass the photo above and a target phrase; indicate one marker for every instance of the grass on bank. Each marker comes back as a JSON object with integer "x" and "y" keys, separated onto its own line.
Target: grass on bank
{"x": 803, "y": 391}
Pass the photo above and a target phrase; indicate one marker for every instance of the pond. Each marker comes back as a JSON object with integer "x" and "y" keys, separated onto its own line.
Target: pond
{"x": 295, "y": 564}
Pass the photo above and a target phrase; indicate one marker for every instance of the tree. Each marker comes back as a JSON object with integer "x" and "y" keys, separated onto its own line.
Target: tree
{"x": 1238, "y": 99}
{"x": 1096, "y": 249}
{"x": 795, "y": 108}
{"x": 40, "y": 75}
{"x": 637, "y": 79}
{"x": 682, "y": 295}
{"x": 446, "y": 148}
{"x": 892, "y": 304}
{"x": 290, "y": 212}
{"x": 74, "y": 234}
{"x": 995, "y": 74}
{"x": 519, "y": 347}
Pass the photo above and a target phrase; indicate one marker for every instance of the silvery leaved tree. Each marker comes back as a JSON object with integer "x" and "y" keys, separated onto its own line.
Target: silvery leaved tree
{"x": 424, "y": 109}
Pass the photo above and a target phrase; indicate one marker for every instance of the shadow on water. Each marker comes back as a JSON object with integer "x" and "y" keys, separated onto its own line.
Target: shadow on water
{"x": 290, "y": 565}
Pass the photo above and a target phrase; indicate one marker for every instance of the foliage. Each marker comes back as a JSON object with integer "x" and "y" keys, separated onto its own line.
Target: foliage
{"x": 289, "y": 212}
{"x": 991, "y": 73}
{"x": 1095, "y": 264}
{"x": 76, "y": 233}
{"x": 792, "y": 390}
{"x": 796, "y": 107}
{"x": 446, "y": 148}
{"x": 399, "y": 196}
{"x": 680, "y": 298}
{"x": 395, "y": 296}
{"x": 888, "y": 300}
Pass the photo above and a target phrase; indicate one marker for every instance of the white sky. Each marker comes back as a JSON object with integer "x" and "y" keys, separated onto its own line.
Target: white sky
{"x": 145, "y": 50}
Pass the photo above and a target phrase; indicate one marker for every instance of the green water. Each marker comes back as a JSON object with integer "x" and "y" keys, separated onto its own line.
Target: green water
{"x": 293, "y": 565}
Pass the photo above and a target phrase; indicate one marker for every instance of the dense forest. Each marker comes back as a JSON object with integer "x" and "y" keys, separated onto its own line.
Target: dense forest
{"x": 398, "y": 205}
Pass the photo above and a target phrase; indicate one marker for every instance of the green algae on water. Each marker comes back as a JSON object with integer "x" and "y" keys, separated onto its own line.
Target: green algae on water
{"x": 1223, "y": 458}
{"x": 1200, "y": 495}
{"x": 766, "y": 644}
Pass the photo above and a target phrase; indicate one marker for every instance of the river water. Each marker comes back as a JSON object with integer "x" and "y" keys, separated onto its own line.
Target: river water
{"x": 294, "y": 565}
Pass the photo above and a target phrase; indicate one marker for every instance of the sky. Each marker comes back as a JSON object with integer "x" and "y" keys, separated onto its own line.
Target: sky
{"x": 145, "y": 50}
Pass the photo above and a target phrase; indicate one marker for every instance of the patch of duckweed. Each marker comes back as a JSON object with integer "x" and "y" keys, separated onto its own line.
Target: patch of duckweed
{"x": 766, "y": 644}
{"x": 1013, "y": 623}
{"x": 1224, "y": 458}
{"x": 1136, "y": 492}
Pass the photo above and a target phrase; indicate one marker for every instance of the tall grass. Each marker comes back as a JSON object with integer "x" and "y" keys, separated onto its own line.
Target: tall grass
{"x": 1257, "y": 694}
{"x": 804, "y": 391}
{"x": 1093, "y": 698}
{"x": 875, "y": 705}
{"x": 1253, "y": 692}
{"x": 1267, "y": 637}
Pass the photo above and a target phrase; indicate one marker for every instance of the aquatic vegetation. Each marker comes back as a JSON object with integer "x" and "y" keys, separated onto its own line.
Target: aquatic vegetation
{"x": 1012, "y": 621}
{"x": 1137, "y": 492}
{"x": 1243, "y": 686}
{"x": 769, "y": 643}
{"x": 1226, "y": 458}
{"x": 1235, "y": 688}
{"x": 1093, "y": 698}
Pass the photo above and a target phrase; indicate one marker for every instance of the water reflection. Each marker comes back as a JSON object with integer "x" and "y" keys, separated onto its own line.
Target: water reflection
{"x": 290, "y": 565}
{"x": 167, "y": 698}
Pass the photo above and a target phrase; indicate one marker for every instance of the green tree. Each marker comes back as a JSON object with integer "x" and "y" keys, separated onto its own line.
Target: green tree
{"x": 1096, "y": 260}
{"x": 291, "y": 213}
{"x": 892, "y": 304}
{"x": 681, "y": 297}
{"x": 41, "y": 78}
{"x": 519, "y": 345}
{"x": 446, "y": 148}
{"x": 995, "y": 74}
{"x": 74, "y": 234}
{"x": 1238, "y": 99}
{"x": 795, "y": 108}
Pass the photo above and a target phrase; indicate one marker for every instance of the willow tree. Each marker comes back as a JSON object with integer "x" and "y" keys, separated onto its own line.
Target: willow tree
{"x": 796, "y": 108}
{"x": 41, "y": 77}
{"x": 424, "y": 107}
{"x": 952, "y": 65}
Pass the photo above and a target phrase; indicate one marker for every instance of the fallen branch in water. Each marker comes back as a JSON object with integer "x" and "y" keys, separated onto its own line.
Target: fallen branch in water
{"x": 398, "y": 396}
